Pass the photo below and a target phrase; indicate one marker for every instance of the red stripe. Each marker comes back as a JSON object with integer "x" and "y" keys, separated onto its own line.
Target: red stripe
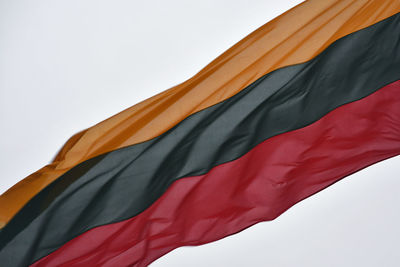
{"x": 256, "y": 187}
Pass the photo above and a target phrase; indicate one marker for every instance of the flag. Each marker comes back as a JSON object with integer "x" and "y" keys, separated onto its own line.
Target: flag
{"x": 302, "y": 102}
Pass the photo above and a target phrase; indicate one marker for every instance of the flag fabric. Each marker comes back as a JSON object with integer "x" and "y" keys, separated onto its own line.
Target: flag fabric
{"x": 300, "y": 103}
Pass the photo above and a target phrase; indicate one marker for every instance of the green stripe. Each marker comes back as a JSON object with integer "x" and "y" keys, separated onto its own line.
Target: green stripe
{"x": 121, "y": 184}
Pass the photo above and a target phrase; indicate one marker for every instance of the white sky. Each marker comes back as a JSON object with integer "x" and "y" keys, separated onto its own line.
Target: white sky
{"x": 66, "y": 65}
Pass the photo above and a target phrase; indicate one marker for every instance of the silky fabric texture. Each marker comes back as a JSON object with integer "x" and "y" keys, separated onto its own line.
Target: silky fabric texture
{"x": 257, "y": 187}
{"x": 294, "y": 37}
{"x": 284, "y": 100}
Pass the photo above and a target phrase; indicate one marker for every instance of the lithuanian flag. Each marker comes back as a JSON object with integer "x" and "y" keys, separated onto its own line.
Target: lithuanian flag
{"x": 300, "y": 103}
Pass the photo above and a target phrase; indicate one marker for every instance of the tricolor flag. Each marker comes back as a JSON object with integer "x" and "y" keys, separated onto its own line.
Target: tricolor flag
{"x": 302, "y": 102}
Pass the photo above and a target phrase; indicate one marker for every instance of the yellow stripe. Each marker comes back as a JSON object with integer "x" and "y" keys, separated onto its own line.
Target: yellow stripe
{"x": 294, "y": 37}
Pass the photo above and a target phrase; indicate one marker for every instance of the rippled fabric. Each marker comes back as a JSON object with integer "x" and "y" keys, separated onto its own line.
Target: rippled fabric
{"x": 256, "y": 187}
{"x": 123, "y": 183}
{"x": 294, "y": 37}
{"x": 287, "y": 111}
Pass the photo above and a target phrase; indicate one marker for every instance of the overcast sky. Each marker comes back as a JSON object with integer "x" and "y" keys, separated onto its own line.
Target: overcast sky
{"x": 66, "y": 65}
